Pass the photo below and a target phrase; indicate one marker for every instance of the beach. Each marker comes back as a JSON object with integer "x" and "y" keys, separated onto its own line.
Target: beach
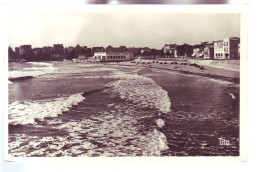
{"x": 209, "y": 71}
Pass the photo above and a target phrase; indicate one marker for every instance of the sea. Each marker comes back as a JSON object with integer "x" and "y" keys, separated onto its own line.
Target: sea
{"x": 65, "y": 109}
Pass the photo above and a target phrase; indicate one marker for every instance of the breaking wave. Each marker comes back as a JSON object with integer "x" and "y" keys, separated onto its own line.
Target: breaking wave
{"x": 141, "y": 90}
{"x": 39, "y": 68}
{"x": 28, "y": 112}
{"x": 157, "y": 143}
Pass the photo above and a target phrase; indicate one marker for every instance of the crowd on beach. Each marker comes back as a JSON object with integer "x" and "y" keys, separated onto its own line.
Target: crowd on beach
{"x": 175, "y": 63}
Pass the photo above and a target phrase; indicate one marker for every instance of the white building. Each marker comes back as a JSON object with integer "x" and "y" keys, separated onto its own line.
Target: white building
{"x": 100, "y": 56}
{"x": 219, "y": 52}
{"x": 113, "y": 56}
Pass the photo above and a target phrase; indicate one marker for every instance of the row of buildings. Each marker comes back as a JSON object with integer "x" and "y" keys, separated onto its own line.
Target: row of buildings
{"x": 55, "y": 49}
{"x": 222, "y": 49}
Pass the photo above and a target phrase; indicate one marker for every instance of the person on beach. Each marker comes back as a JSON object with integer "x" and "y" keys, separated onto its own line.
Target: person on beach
{"x": 202, "y": 68}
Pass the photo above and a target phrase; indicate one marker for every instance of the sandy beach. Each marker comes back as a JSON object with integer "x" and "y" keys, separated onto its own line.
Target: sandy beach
{"x": 208, "y": 71}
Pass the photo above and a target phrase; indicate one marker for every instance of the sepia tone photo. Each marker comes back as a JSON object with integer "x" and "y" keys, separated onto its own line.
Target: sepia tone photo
{"x": 124, "y": 84}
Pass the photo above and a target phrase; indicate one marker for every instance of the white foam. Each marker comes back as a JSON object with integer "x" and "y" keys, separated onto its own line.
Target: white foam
{"x": 118, "y": 133}
{"x": 219, "y": 81}
{"x": 9, "y": 82}
{"x": 160, "y": 123}
{"x": 92, "y": 77}
{"x": 157, "y": 143}
{"x": 232, "y": 95}
{"x": 43, "y": 68}
{"x": 40, "y": 63}
{"x": 25, "y": 112}
{"x": 141, "y": 90}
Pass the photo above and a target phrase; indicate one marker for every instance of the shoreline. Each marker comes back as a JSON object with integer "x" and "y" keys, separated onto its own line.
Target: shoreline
{"x": 211, "y": 72}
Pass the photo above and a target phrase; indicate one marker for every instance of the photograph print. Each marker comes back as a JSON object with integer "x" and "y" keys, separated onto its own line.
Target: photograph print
{"x": 124, "y": 84}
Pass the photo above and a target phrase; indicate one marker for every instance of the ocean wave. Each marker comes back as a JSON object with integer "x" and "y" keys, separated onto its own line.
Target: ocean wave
{"x": 40, "y": 63}
{"x": 12, "y": 75}
{"x": 27, "y": 112}
{"x": 44, "y": 68}
{"x": 157, "y": 143}
{"x": 141, "y": 90}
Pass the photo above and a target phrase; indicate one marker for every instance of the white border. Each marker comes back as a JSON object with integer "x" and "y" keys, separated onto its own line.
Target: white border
{"x": 242, "y": 9}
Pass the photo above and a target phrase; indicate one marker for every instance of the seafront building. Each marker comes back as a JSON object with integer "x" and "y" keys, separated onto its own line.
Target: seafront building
{"x": 197, "y": 53}
{"x": 219, "y": 52}
{"x": 208, "y": 51}
{"x": 37, "y": 51}
{"x": 25, "y": 49}
{"x": 231, "y": 48}
{"x": 58, "y": 49}
{"x": 228, "y": 48}
{"x": 47, "y": 50}
{"x": 113, "y": 56}
{"x": 170, "y": 50}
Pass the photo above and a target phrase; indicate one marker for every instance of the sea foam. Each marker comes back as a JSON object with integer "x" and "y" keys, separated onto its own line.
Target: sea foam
{"x": 38, "y": 69}
{"x": 26, "y": 112}
{"x": 157, "y": 143}
{"x": 141, "y": 90}
{"x": 160, "y": 123}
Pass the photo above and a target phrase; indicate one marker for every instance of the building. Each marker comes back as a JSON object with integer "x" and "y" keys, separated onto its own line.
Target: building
{"x": 16, "y": 50}
{"x": 37, "y": 51}
{"x": 98, "y": 49}
{"x": 100, "y": 56}
{"x": 110, "y": 49}
{"x": 85, "y": 49}
{"x": 208, "y": 51}
{"x": 113, "y": 56}
{"x": 25, "y": 49}
{"x": 170, "y": 50}
{"x": 58, "y": 49}
{"x": 70, "y": 49}
{"x": 231, "y": 46}
{"x": 119, "y": 56}
{"x": 197, "y": 53}
{"x": 219, "y": 52}
{"x": 47, "y": 50}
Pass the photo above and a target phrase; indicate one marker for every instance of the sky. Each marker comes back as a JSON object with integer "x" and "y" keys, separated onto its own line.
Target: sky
{"x": 130, "y": 29}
